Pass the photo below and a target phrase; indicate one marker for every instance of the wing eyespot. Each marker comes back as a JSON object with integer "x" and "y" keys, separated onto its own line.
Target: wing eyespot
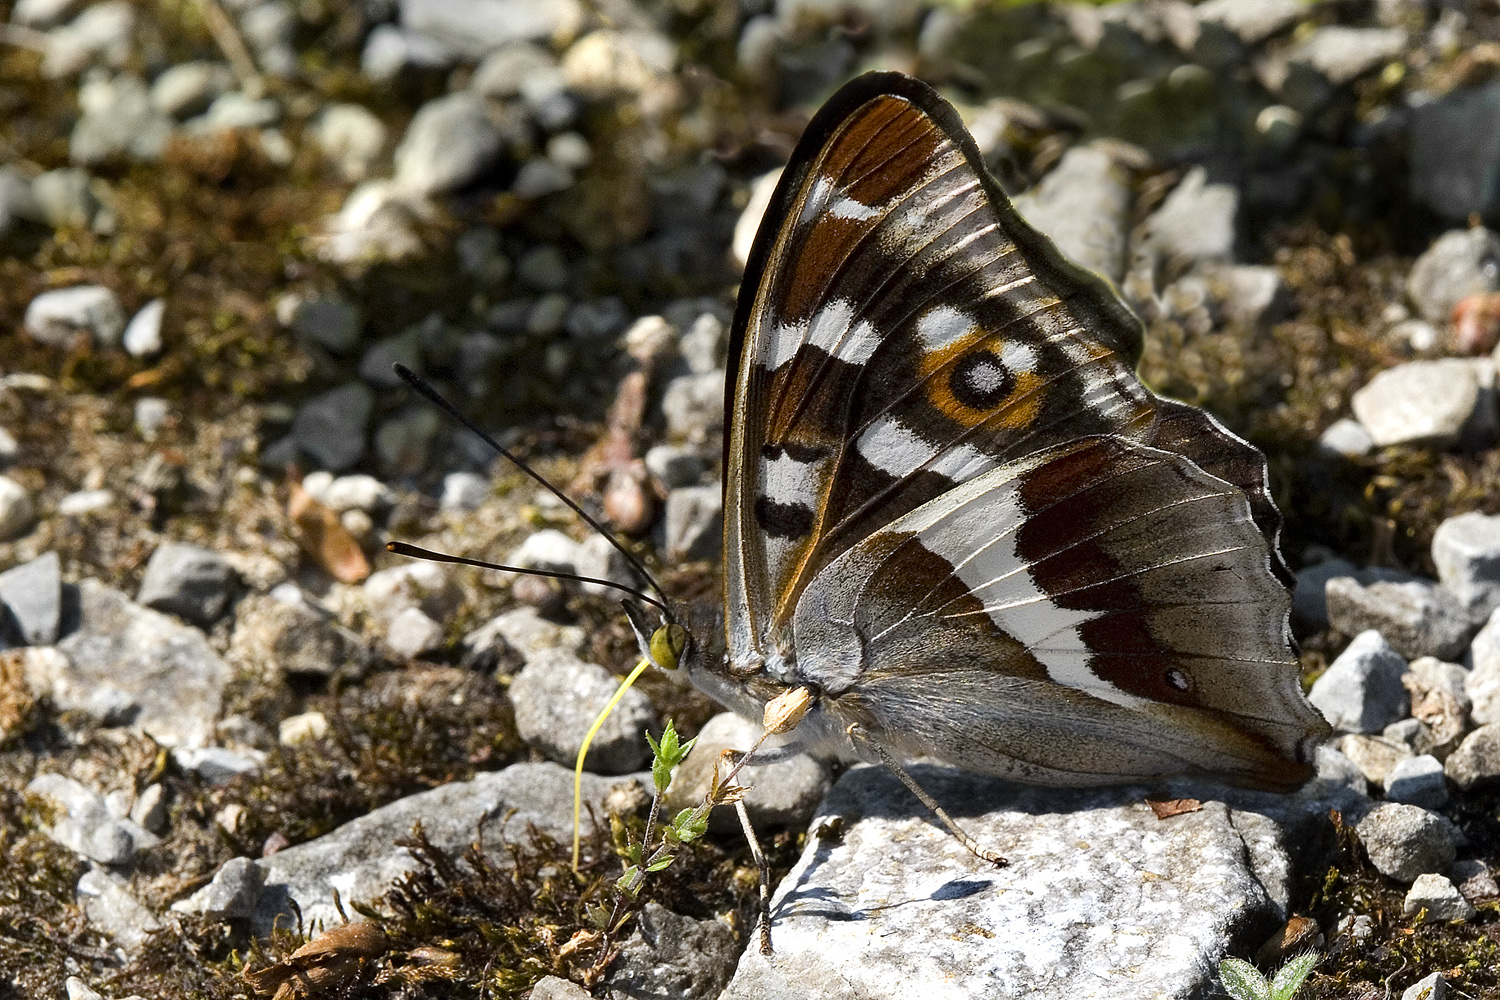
{"x": 981, "y": 381}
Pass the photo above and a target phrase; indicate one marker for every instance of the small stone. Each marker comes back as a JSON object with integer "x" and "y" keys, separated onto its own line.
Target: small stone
{"x": 1439, "y": 702}
{"x": 1442, "y": 901}
{"x": 1418, "y": 335}
{"x": 389, "y": 50}
{"x": 694, "y": 406}
{"x": 546, "y": 549}
{"x": 450, "y": 142}
{"x": 1347, "y": 438}
{"x": 506, "y": 72}
{"x": 520, "y": 631}
{"x": 231, "y": 895}
{"x": 570, "y": 151}
{"x": 1483, "y": 683}
{"x": 188, "y": 88}
{"x": 557, "y": 697}
{"x": 218, "y": 765}
{"x": 150, "y": 808}
{"x": 189, "y": 581}
{"x": 86, "y": 825}
{"x": 10, "y": 448}
{"x": 412, "y": 634}
{"x": 423, "y": 585}
{"x": 356, "y": 492}
{"x": 1475, "y": 880}
{"x": 1419, "y": 404}
{"x": 236, "y": 110}
{"x": 554, "y": 988}
{"x": 463, "y": 492}
{"x": 1361, "y": 691}
{"x": 56, "y": 317}
{"x": 1418, "y": 781}
{"x": 376, "y": 365}
{"x": 41, "y": 13}
{"x": 17, "y": 512}
{"x": 151, "y": 415}
{"x": 404, "y": 442}
{"x": 32, "y": 592}
{"x": 1083, "y": 205}
{"x": 1460, "y": 263}
{"x": 352, "y": 139}
{"x": 693, "y": 522}
{"x": 1375, "y": 756}
{"x": 102, "y": 32}
{"x": 143, "y": 333}
{"x": 675, "y": 465}
{"x": 1417, "y": 617}
{"x": 702, "y": 345}
{"x": 1453, "y": 144}
{"x": 474, "y": 28}
{"x": 1194, "y": 224}
{"x": 66, "y": 198}
{"x": 1405, "y": 841}
{"x": 296, "y": 729}
{"x": 85, "y": 502}
{"x": 607, "y": 62}
{"x": 292, "y": 639}
{"x": 1430, "y": 987}
{"x": 543, "y": 268}
{"x": 118, "y": 123}
{"x": 545, "y": 319}
{"x": 79, "y": 990}
{"x": 330, "y": 427}
{"x": 106, "y": 900}
{"x": 1466, "y": 550}
{"x": 1476, "y": 762}
{"x": 333, "y": 323}
{"x": 540, "y": 177}
{"x": 1359, "y": 927}
{"x": 784, "y": 793}
{"x": 1309, "y": 597}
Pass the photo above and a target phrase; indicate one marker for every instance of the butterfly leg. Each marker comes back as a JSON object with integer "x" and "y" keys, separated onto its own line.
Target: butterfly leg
{"x": 764, "y": 904}
{"x": 894, "y": 766}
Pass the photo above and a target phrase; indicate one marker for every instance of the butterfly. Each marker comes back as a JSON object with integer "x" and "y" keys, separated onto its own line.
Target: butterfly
{"x": 954, "y": 518}
{"x": 957, "y": 526}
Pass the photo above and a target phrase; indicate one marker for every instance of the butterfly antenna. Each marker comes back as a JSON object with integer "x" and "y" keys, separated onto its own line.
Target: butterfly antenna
{"x": 414, "y": 380}
{"x": 417, "y": 552}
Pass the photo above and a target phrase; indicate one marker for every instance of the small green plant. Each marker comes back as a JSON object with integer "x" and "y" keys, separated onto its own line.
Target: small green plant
{"x": 1242, "y": 981}
{"x": 643, "y": 857}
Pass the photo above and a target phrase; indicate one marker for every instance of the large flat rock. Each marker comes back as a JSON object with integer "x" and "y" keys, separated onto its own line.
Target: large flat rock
{"x": 1100, "y": 899}
{"x": 361, "y": 860}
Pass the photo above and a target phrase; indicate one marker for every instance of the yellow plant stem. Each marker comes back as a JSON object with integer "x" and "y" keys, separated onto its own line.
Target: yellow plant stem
{"x": 640, "y": 668}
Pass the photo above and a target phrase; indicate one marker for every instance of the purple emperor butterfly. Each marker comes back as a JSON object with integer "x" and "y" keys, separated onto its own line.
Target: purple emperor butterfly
{"x": 954, "y": 515}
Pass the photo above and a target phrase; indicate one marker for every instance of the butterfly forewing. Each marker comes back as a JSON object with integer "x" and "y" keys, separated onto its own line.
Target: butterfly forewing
{"x": 908, "y": 332}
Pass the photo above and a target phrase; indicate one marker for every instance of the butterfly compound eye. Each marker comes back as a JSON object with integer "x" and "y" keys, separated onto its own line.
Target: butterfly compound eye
{"x": 667, "y": 646}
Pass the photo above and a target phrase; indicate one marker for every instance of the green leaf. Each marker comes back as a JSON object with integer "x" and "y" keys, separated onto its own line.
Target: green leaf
{"x": 668, "y": 752}
{"x": 690, "y": 824}
{"x": 630, "y": 880}
{"x": 658, "y": 865}
{"x": 597, "y": 915}
{"x": 1243, "y": 981}
{"x": 1290, "y": 978}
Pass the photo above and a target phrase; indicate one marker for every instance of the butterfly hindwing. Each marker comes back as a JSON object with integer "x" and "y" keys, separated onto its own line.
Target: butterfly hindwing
{"x": 1100, "y": 610}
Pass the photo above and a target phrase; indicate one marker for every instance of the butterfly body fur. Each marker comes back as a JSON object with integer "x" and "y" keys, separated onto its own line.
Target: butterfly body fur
{"x": 954, "y": 512}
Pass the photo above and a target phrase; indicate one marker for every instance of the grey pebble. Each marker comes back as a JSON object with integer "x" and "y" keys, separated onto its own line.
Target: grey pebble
{"x": 557, "y": 698}
{"x": 218, "y": 765}
{"x": 1430, "y": 987}
{"x": 1361, "y": 690}
{"x": 693, "y": 521}
{"x": 188, "y": 581}
{"x": 330, "y": 427}
{"x": 1466, "y": 550}
{"x": 1459, "y": 263}
{"x": 450, "y": 142}
{"x": 1419, "y": 403}
{"x": 1418, "y": 781}
{"x": 1439, "y": 897}
{"x": 333, "y": 323}
{"x": 17, "y": 511}
{"x": 231, "y": 895}
{"x": 463, "y": 491}
{"x": 1476, "y": 762}
{"x": 32, "y": 592}
{"x": 55, "y": 317}
{"x": 143, "y": 333}
{"x": 1417, "y": 617}
{"x": 1405, "y": 841}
